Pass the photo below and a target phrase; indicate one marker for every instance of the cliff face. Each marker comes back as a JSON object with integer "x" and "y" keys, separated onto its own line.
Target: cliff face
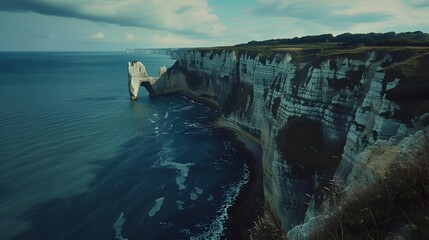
{"x": 315, "y": 112}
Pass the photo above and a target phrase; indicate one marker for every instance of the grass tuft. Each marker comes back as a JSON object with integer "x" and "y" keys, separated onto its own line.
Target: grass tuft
{"x": 395, "y": 207}
{"x": 264, "y": 229}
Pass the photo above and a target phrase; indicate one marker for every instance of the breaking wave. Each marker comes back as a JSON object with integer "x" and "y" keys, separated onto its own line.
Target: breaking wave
{"x": 215, "y": 229}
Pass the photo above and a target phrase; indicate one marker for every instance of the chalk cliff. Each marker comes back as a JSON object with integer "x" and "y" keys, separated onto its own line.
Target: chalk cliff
{"x": 319, "y": 114}
{"x": 137, "y": 76}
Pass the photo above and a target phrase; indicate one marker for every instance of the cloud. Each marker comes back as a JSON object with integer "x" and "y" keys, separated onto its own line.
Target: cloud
{"x": 343, "y": 15}
{"x": 332, "y": 12}
{"x": 185, "y": 16}
{"x": 171, "y": 40}
{"x": 130, "y": 37}
{"x": 420, "y": 3}
{"x": 255, "y": 35}
{"x": 183, "y": 9}
{"x": 99, "y": 35}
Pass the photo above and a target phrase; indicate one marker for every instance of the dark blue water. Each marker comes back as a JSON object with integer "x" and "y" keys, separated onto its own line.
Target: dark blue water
{"x": 78, "y": 160}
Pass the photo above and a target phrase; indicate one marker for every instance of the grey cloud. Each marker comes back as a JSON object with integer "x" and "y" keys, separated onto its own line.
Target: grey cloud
{"x": 55, "y": 10}
{"x": 424, "y": 3}
{"x": 183, "y": 9}
{"x": 133, "y": 17}
{"x": 324, "y": 15}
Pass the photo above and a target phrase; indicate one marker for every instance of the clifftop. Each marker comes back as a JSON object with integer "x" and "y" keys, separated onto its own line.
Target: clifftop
{"x": 416, "y": 38}
{"x": 314, "y": 51}
{"x": 321, "y": 47}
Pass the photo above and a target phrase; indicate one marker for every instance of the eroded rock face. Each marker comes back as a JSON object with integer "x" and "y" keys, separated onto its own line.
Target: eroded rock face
{"x": 314, "y": 114}
{"x": 137, "y": 76}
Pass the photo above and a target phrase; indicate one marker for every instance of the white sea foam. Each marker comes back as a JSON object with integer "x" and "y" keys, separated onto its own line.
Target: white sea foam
{"x": 193, "y": 125}
{"x": 185, "y": 108}
{"x": 180, "y": 205}
{"x": 214, "y": 230}
{"x": 154, "y": 118}
{"x": 210, "y": 198}
{"x": 183, "y": 170}
{"x": 198, "y": 190}
{"x": 167, "y": 160}
{"x": 117, "y": 226}
{"x": 193, "y": 196}
{"x": 156, "y": 207}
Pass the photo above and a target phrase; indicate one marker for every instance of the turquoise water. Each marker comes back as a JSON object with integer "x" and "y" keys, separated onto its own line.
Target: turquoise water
{"x": 78, "y": 160}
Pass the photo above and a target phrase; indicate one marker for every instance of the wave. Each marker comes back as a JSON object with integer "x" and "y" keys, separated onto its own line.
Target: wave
{"x": 183, "y": 170}
{"x": 156, "y": 207}
{"x": 180, "y": 205}
{"x": 117, "y": 226}
{"x": 184, "y": 108}
{"x": 215, "y": 229}
{"x": 194, "y": 194}
{"x": 193, "y": 125}
{"x": 167, "y": 156}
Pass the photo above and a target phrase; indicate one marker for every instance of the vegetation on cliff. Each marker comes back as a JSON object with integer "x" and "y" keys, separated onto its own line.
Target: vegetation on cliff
{"x": 417, "y": 38}
{"x": 396, "y": 206}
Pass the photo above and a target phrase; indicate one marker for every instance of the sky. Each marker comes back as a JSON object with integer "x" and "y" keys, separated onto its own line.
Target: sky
{"x": 111, "y": 25}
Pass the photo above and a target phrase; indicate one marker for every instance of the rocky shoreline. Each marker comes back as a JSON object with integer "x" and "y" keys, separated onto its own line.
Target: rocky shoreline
{"x": 249, "y": 205}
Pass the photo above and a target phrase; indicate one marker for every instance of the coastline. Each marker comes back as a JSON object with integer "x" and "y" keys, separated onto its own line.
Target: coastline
{"x": 222, "y": 122}
{"x": 249, "y": 204}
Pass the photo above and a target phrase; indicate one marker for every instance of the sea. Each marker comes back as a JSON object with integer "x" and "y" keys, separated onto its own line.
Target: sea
{"x": 79, "y": 160}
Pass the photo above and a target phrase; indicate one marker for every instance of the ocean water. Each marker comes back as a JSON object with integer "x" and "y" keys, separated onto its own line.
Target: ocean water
{"x": 78, "y": 160}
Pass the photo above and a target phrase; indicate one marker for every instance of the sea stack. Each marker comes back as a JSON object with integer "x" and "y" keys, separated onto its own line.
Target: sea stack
{"x": 137, "y": 75}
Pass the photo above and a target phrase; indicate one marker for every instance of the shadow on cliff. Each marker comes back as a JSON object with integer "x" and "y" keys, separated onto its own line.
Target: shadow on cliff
{"x": 303, "y": 147}
{"x": 394, "y": 207}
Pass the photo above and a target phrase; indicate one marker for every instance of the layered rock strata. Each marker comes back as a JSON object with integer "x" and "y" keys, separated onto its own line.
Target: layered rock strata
{"x": 316, "y": 113}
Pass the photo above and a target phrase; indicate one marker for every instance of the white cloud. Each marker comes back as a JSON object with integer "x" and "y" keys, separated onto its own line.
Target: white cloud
{"x": 99, "y": 35}
{"x": 130, "y": 37}
{"x": 255, "y": 35}
{"x": 419, "y": 3}
{"x": 353, "y": 16}
{"x": 170, "y": 40}
{"x": 185, "y": 16}
{"x": 400, "y": 13}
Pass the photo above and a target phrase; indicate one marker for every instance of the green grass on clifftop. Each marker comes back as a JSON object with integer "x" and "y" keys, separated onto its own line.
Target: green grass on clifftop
{"x": 326, "y": 45}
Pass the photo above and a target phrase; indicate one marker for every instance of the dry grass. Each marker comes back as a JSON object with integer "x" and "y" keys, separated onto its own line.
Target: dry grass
{"x": 396, "y": 206}
{"x": 398, "y": 201}
{"x": 265, "y": 229}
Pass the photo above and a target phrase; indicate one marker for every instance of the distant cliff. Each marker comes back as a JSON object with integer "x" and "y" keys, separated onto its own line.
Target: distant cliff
{"x": 172, "y": 52}
{"x": 321, "y": 114}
